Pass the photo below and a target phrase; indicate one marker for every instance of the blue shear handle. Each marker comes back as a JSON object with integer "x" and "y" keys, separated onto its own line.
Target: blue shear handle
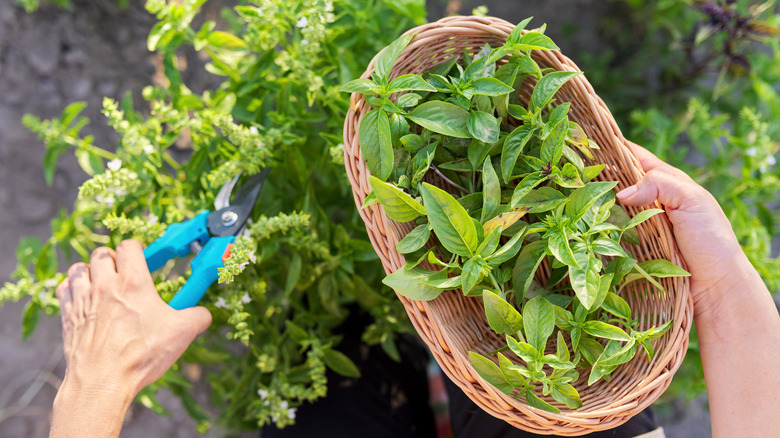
{"x": 175, "y": 242}
{"x": 205, "y": 270}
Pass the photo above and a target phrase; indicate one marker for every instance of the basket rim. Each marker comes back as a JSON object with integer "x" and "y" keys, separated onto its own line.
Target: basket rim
{"x": 383, "y": 236}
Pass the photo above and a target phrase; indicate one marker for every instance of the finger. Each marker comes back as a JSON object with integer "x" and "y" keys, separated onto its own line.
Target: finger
{"x": 671, "y": 190}
{"x": 195, "y": 319}
{"x": 102, "y": 266}
{"x": 131, "y": 263}
{"x": 81, "y": 290}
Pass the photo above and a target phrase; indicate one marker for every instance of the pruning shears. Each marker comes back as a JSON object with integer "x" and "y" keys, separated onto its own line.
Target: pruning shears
{"x": 209, "y": 235}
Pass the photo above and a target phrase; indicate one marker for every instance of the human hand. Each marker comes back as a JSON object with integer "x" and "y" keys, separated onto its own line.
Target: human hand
{"x": 702, "y": 231}
{"x": 118, "y": 334}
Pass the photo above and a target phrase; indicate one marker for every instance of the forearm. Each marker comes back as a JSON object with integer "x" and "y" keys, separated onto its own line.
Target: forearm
{"x": 95, "y": 411}
{"x": 739, "y": 331}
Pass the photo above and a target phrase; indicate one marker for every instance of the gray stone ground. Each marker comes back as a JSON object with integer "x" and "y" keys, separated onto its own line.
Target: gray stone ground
{"x": 53, "y": 57}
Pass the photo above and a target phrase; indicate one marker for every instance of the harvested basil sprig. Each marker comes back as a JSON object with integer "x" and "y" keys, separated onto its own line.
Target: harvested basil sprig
{"x": 518, "y": 194}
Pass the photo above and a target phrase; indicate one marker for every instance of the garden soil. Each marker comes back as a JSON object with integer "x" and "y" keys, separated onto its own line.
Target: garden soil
{"x": 53, "y": 57}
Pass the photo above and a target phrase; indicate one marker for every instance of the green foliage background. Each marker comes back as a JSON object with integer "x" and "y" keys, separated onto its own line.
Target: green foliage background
{"x": 708, "y": 104}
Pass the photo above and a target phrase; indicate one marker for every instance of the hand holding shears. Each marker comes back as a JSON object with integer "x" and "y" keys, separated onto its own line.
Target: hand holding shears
{"x": 209, "y": 235}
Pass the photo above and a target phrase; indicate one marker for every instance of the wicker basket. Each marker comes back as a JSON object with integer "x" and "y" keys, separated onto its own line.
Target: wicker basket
{"x": 452, "y": 324}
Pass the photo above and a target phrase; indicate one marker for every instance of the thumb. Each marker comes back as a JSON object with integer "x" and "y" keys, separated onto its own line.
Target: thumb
{"x": 673, "y": 190}
{"x": 195, "y": 319}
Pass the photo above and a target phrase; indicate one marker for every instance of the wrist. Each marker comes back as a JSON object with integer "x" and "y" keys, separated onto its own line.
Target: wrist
{"x": 83, "y": 408}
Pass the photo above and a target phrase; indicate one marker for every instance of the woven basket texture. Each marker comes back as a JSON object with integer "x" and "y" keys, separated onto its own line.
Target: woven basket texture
{"x": 452, "y": 324}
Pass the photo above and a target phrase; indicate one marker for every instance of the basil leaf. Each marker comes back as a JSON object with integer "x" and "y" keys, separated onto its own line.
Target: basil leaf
{"x": 501, "y": 316}
{"x": 442, "y": 118}
{"x": 447, "y": 283}
{"x": 508, "y": 250}
{"x": 619, "y": 266}
{"x": 524, "y": 350}
{"x": 488, "y": 246}
{"x": 416, "y": 239}
{"x": 583, "y": 198}
{"x": 542, "y": 199}
{"x": 410, "y": 82}
{"x": 617, "y": 306}
{"x": 566, "y": 394}
{"x": 340, "y": 363}
{"x": 490, "y": 87}
{"x": 491, "y": 191}
{"x": 534, "y": 401}
{"x": 558, "y": 244}
{"x": 603, "y": 330}
{"x": 376, "y": 143}
{"x": 490, "y": 372}
{"x": 526, "y": 185}
{"x": 547, "y": 86}
{"x": 385, "y": 59}
{"x": 411, "y": 283}
{"x": 608, "y": 247}
{"x": 505, "y": 220}
{"x": 513, "y": 146}
{"x": 536, "y": 41}
{"x": 527, "y": 263}
{"x": 538, "y": 322}
{"x": 517, "y": 32}
{"x": 483, "y": 126}
{"x": 362, "y": 85}
{"x": 398, "y": 205}
{"x": 552, "y": 146}
{"x": 663, "y": 268}
{"x": 511, "y": 372}
{"x": 568, "y": 177}
{"x": 471, "y": 274}
{"x": 641, "y": 217}
{"x": 585, "y": 279}
{"x": 590, "y": 172}
{"x": 450, "y": 221}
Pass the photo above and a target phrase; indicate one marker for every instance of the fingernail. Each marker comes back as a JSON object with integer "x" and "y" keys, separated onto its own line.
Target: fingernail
{"x": 627, "y": 192}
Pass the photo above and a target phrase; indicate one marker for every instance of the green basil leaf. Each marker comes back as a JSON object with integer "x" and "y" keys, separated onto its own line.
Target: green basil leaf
{"x": 376, "y": 143}
{"x": 527, "y": 263}
{"x": 564, "y": 320}
{"x": 526, "y": 185}
{"x": 411, "y": 283}
{"x": 511, "y": 372}
{"x": 501, "y": 316}
{"x": 340, "y": 363}
{"x": 566, "y": 394}
{"x": 450, "y": 221}
{"x": 490, "y": 372}
{"x": 490, "y": 87}
{"x": 30, "y": 317}
{"x": 590, "y": 349}
{"x": 361, "y": 85}
{"x": 416, "y": 239}
{"x": 412, "y": 142}
{"x": 447, "y": 283}
{"x": 561, "y": 349}
{"x": 508, "y": 250}
{"x": 408, "y": 99}
{"x": 538, "y": 322}
{"x": 617, "y": 306}
{"x": 590, "y": 172}
{"x": 398, "y": 205}
{"x": 442, "y": 118}
{"x": 517, "y": 32}
{"x": 558, "y": 244}
{"x": 471, "y": 274}
{"x": 641, "y": 217}
{"x": 542, "y": 199}
{"x": 625, "y": 354}
{"x": 603, "y": 330}
{"x": 619, "y": 266}
{"x": 657, "y": 332}
{"x": 483, "y": 126}
{"x": 491, "y": 190}
{"x": 608, "y": 247}
{"x": 661, "y": 268}
{"x": 513, "y": 146}
{"x": 410, "y": 82}
{"x": 504, "y": 220}
{"x": 385, "y": 59}
{"x": 536, "y": 41}
{"x": 523, "y": 350}
{"x": 489, "y": 244}
{"x": 569, "y": 177}
{"x": 583, "y": 198}
{"x": 585, "y": 279}
{"x": 370, "y": 200}
{"x": 535, "y": 402}
{"x": 604, "y": 288}
{"x": 547, "y": 86}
